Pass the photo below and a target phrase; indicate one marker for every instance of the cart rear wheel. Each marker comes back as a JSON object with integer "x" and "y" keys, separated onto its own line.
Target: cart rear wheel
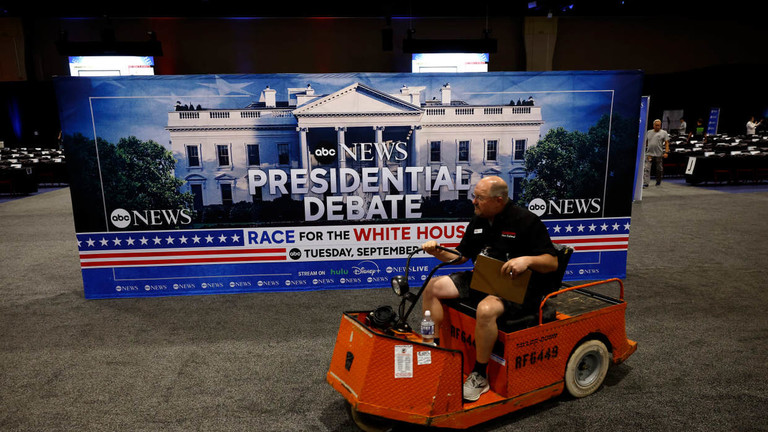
{"x": 587, "y": 368}
{"x": 368, "y": 422}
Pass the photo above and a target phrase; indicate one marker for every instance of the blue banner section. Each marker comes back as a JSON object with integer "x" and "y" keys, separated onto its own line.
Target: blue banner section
{"x": 638, "y": 188}
{"x": 132, "y": 264}
{"x": 714, "y": 121}
{"x": 210, "y": 184}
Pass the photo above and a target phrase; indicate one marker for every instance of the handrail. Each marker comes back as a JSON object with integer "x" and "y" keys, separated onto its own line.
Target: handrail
{"x": 573, "y": 288}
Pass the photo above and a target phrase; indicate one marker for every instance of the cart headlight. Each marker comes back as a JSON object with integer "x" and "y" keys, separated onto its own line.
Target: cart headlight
{"x": 399, "y": 285}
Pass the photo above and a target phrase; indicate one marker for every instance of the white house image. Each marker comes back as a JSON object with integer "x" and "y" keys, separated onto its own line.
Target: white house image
{"x": 354, "y": 128}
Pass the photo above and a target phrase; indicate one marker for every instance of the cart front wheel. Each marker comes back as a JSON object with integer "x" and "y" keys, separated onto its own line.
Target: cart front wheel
{"x": 587, "y": 368}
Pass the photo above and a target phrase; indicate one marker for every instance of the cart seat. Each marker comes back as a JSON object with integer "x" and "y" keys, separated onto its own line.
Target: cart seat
{"x": 525, "y": 315}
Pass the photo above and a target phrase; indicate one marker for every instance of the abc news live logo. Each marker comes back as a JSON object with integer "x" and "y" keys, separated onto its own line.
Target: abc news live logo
{"x": 122, "y": 218}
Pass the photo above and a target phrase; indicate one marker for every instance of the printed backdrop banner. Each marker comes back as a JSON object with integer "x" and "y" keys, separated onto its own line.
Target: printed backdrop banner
{"x": 204, "y": 184}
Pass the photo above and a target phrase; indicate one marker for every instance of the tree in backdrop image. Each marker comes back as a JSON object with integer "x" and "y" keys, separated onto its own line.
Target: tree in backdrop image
{"x": 141, "y": 177}
{"x": 132, "y": 175}
{"x": 573, "y": 164}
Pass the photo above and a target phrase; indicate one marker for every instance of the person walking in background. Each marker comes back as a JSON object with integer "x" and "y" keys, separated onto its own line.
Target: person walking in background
{"x": 656, "y": 149}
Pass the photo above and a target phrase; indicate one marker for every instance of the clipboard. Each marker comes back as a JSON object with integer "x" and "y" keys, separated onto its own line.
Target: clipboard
{"x": 487, "y": 278}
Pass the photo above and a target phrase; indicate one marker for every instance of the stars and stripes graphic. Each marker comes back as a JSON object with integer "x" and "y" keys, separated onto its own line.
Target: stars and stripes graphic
{"x": 166, "y": 248}
{"x": 591, "y": 235}
{"x": 586, "y": 235}
{"x": 229, "y": 246}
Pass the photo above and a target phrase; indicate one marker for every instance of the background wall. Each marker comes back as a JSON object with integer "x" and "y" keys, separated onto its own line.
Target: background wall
{"x": 691, "y": 63}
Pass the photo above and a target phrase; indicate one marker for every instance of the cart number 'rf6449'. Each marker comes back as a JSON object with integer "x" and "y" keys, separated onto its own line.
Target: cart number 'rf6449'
{"x": 534, "y": 357}
{"x": 459, "y": 334}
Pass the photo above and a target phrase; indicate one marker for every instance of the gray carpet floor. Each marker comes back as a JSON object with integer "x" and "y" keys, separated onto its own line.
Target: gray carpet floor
{"x": 698, "y": 306}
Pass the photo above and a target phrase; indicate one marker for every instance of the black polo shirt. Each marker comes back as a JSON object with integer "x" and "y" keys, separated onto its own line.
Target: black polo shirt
{"x": 514, "y": 232}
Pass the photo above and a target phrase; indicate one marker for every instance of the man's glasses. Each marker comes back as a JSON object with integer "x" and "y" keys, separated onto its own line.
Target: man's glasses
{"x": 479, "y": 197}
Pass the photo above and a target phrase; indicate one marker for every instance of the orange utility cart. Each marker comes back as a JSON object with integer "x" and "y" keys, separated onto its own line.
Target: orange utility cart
{"x": 387, "y": 375}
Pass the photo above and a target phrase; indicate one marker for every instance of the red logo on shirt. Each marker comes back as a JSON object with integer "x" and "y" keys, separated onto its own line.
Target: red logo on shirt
{"x": 508, "y": 234}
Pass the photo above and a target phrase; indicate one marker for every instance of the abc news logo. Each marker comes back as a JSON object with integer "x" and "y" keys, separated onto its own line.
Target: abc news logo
{"x": 571, "y": 206}
{"x": 325, "y": 152}
{"x": 122, "y": 218}
{"x": 537, "y": 206}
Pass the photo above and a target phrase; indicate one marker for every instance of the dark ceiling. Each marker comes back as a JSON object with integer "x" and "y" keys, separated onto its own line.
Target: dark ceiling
{"x": 367, "y": 8}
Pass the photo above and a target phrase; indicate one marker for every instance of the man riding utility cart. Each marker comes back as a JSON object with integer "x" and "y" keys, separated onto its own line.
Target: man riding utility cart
{"x": 531, "y": 340}
{"x": 508, "y": 233}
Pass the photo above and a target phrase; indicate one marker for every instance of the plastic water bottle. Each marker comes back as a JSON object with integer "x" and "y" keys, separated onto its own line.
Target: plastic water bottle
{"x": 427, "y": 328}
